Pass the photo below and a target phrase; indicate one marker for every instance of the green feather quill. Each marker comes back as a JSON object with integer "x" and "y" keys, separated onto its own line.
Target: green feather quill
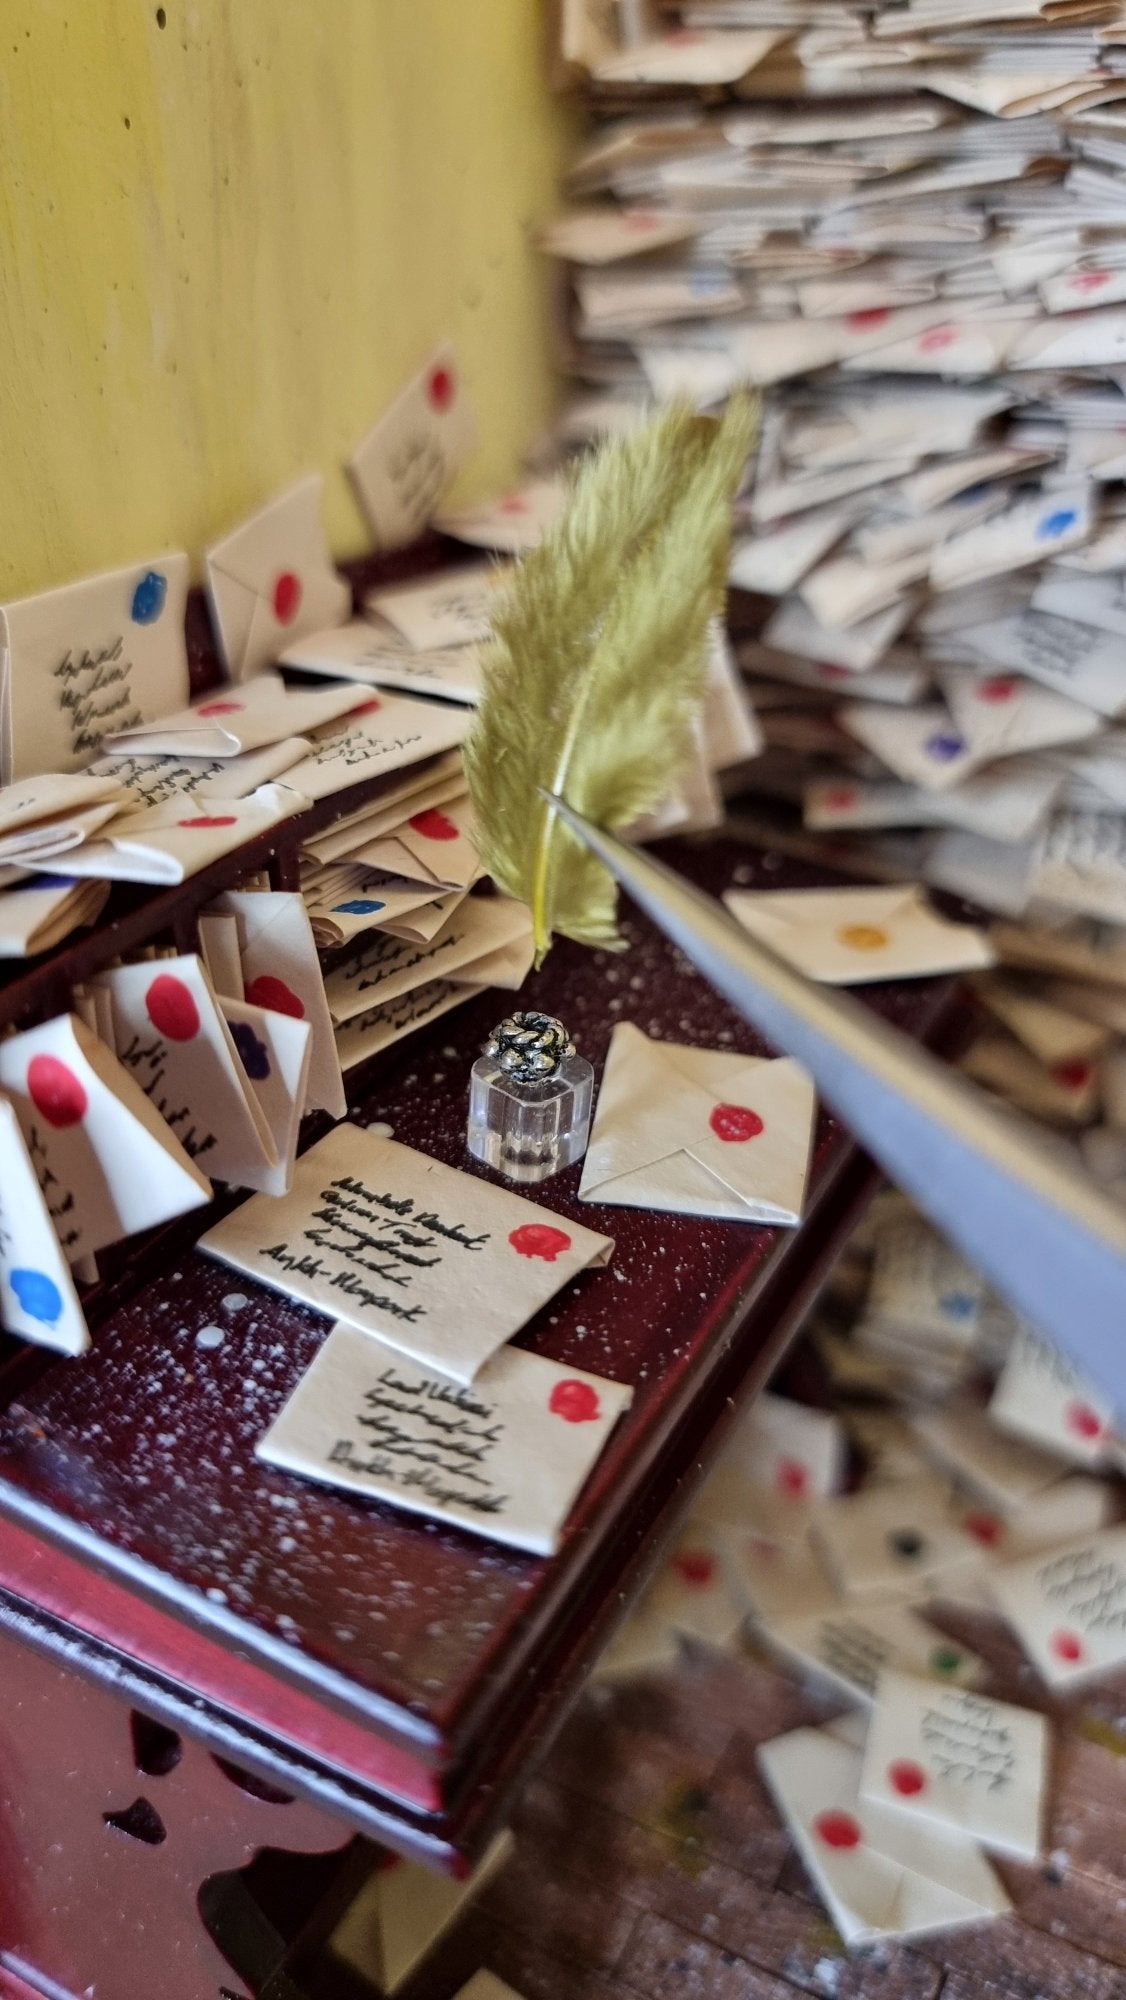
{"x": 597, "y": 661}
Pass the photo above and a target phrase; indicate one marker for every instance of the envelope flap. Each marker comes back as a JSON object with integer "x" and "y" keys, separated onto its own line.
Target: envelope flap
{"x": 756, "y": 1135}
{"x": 647, "y": 1104}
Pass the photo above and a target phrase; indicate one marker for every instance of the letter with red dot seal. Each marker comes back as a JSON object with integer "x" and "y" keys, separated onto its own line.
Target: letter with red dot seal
{"x": 1042, "y": 1398}
{"x": 948, "y": 1757}
{"x": 1067, "y": 1607}
{"x": 414, "y": 451}
{"x": 271, "y": 579}
{"x": 503, "y": 1456}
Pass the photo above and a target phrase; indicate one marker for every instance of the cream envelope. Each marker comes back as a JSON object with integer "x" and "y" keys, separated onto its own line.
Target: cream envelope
{"x": 847, "y": 588}
{"x": 402, "y": 1911}
{"x": 385, "y": 968}
{"x": 52, "y": 839}
{"x": 946, "y": 1757}
{"x": 413, "y": 453}
{"x": 785, "y": 1445}
{"x": 962, "y": 1441}
{"x": 512, "y": 522}
{"x": 434, "y": 845}
{"x": 93, "y": 656}
{"x": 698, "y": 56}
{"x": 38, "y": 1301}
{"x": 1075, "y": 340}
{"x": 774, "y": 1579}
{"x": 778, "y": 556}
{"x": 281, "y": 971}
{"x": 381, "y": 1026}
{"x": 219, "y": 949}
{"x": 1042, "y": 1398}
{"x": 1064, "y": 1094}
{"x": 603, "y": 235}
{"x": 441, "y": 778}
{"x": 171, "y": 1035}
{"x": 952, "y": 347}
{"x": 486, "y": 1986}
{"x": 231, "y": 721}
{"x": 107, "y": 1162}
{"x": 847, "y": 937}
{"x": 391, "y": 733}
{"x": 37, "y": 913}
{"x": 1051, "y": 1033}
{"x": 691, "y": 1594}
{"x": 365, "y": 900}
{"x": 897, "y": 1541}
{"x": 1027, "y": 532}
{"x": 699, "y": 1131}
{"x": 504, "y": 1459}
{"x": 357, "y": 652}
{"x": 1080, "y": 863}
{"x": 451, "y": 609}
{"x": 441, "y": 1265}
{"x": 1068, "y": 1607}
{"x": 154, "y": 781}
{"x": 794, "y": 629}
{"x": 853, "y": 1644}
{"x": 272, "y": 578}
{"x": 274, "y": 1052}
{"x": 999, "y": 714}
{"x": 45, "y": 816}
{"x": 168, "y": 843}
{"x": 1079, "y": 660}
{"x": 878, "y": 1878}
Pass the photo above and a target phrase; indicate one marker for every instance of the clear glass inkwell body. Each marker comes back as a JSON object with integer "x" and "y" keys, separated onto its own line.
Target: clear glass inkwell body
{"x": 530, "y": 1099}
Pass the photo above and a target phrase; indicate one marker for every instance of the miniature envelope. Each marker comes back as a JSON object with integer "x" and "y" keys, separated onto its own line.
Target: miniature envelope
{"x": 274, "y": 1052}
{"x": 1042, "y": 1398}
{"x": 878, "y": 1878}
{"x": 231, "y": 721}
{"x": 451, "y": 609}
{"x": 52, "y": 839}
{"x": 45, "y": 816}
{"x": 504, "y": 1459}
{"x": 413, "y": 453}
{"x": 997, "y": 715}
{"x": 730, "y": 729}
{"x": 798, "y": 1451}
{"x": 401, "y": 1912}
{"x": 358, "y": 652}
{"x": 441, "y": 778}
{"x": 281, "y": 970}
{"x": 794, "y": 629}
{"x": 846, "y": 937}
{"x": 698, "y": 56}
{"x": 892, "y": 1541}
{"x": 778, "y": 556}
{"x": 922, "y": 746}
{"x": 386, "y": 967}
{"x": 38, "y": 1301}
{"x": 846, "y": 589}
{"x": 96, "y": 655}
{"x": 155, "y": 781}
{"x": 774, "y": 1579}
{"x": 601, "y": 235}
{"x": 699, "y": 1131}
{"x": 691, "y": 1594}
{"x": 171, "y": 1035}
{"x": 486, "y": 1986}
{"x": 510, "y": 523}
{"x": 1028, "y": 531}
{"x": 946, "y": 1757}
{"x": 37, "y": 913}
{"x": 272, "y": 578}
{"x": 441, "y": 1265}
{"x": 1066, "y": 1093}
{"x": 1068, "y": 1607}
{"x": 106, "y": 1161}
{"x": 435, "y": 845}
{"x": 365, "y": 900}
{"x": 219, "y": 949}
{"x": 1075, "y": 340}
{"x": 963, "y": 1442}
{"x": 853, "y": 1644}
{"x": 168, "y": 843}
{"x": 392, "y": 732}
{"x": 1079, "y": 660}
{"x": 1047, "y": 1029}
{"x": 381, "y": 1026}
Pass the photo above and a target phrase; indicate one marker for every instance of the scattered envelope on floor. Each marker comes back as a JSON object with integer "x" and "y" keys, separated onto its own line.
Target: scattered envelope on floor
{"x": 272, "y": 578}
{"x": 106, "y": 1160}
{"x": 386, "y": 967}
{"x": 391, "y": 732}
{"x": 892, "y": 1541}
{"x": 798, "y": 1451}
{"x": 273, "y": 1049}
{"x": 402, "y": 1911}
{"x": 1068, "y": 1607}
{"x": 699, "y": 1131}
{"x": 504, "y": 1458}
{"x": 358, "y": 652}
{"x": 878, "y": 1878}
{"x": 38, "y": 1301}
{"x": 845, "y": 937}
{"x": 104, "y": 653}
{"x": 37, "y": 913}
{"x": 281, "y": 970}
{"x": 510, "y": 523}
{"x": 442, "y": 1266}
{"x": 692, "y": 1593}
{"x": 230, "y": 721}
{"x": 171, "y": 1035}
{"x": 953, "y": 1759}
{"x": 774, "y": 1579}
{"x": 414, "y": 451}
{"x": 852, "y": 1644}
{"x": 1043, "y": 1399}
{"x": 961, "y": 1438}
{"x": 452, "y": 609}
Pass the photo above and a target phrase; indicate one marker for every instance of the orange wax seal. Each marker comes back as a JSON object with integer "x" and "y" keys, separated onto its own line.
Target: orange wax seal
{"x": 863, "y": 937}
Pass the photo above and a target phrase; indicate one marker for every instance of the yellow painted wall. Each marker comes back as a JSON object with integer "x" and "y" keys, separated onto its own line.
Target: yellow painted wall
{"x": 226, "y": 239}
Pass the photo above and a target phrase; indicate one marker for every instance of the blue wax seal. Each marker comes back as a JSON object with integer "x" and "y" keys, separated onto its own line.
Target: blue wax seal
{"x": 148, "y": 598}
{"x": 944, "y": 746}
{"x": 38, "y": 1294}
{"x": 958, "y": 1305}
{"x": 1054, "y": 525}
{"x": 360, "y": 906}
{"x": 253, "y": 1052}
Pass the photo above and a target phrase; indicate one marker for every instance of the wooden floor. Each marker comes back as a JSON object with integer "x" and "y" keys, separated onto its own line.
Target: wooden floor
{"x": 650, "y": 1864}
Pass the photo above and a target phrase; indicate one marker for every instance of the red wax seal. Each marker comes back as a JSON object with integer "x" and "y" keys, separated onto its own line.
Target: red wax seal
{"x": 871, "y": 316}
{"x": 1071, "y": 1075}
{"x": 907, "y": 1778}
{"x": 790, "y": 1476}
{"x": 433, "y": 825}
{"x": 1083, "y": 1420}
{"x": 1067, "y": 1646}
{"x": 837, "y": 1829}
{"x": 57, "y": 1094}
{"x": 1091, "y": 281}
{"x": 441, "y": 388}
{"x": 210, "y": 819}
{"x": 170, "y": 1006}
{"x": 999, "y": 687}
{"x": 840, "y": 797}
{"x": 984, "y": 1528}
{"x": 641, "y": 218}
{"x": 366, "y": 707}
{"x": 830, "y": 671}
{"x": 539, "y": 1239}
{"x": 514, "y": 503}
{"x": 938, "y": 338}
{"x": 222, "y": 708}
{"x": 273, "y": 994}
{"x": 695, "y": 1566}
{"x": 287, "y": 596}
{"x": 735, "y": 1124}
{"x": 575, "y": 1402}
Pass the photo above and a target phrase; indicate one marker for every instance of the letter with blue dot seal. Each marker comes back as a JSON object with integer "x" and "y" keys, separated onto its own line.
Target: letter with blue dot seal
{"x": 38, "y": 1301}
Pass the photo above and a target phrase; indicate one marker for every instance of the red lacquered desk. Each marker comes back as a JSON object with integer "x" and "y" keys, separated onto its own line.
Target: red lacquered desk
{"x": 397, "y": 1675}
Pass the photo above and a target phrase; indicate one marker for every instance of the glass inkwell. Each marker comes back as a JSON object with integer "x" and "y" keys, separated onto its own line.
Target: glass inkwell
{"x": 529, "y": 1099}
